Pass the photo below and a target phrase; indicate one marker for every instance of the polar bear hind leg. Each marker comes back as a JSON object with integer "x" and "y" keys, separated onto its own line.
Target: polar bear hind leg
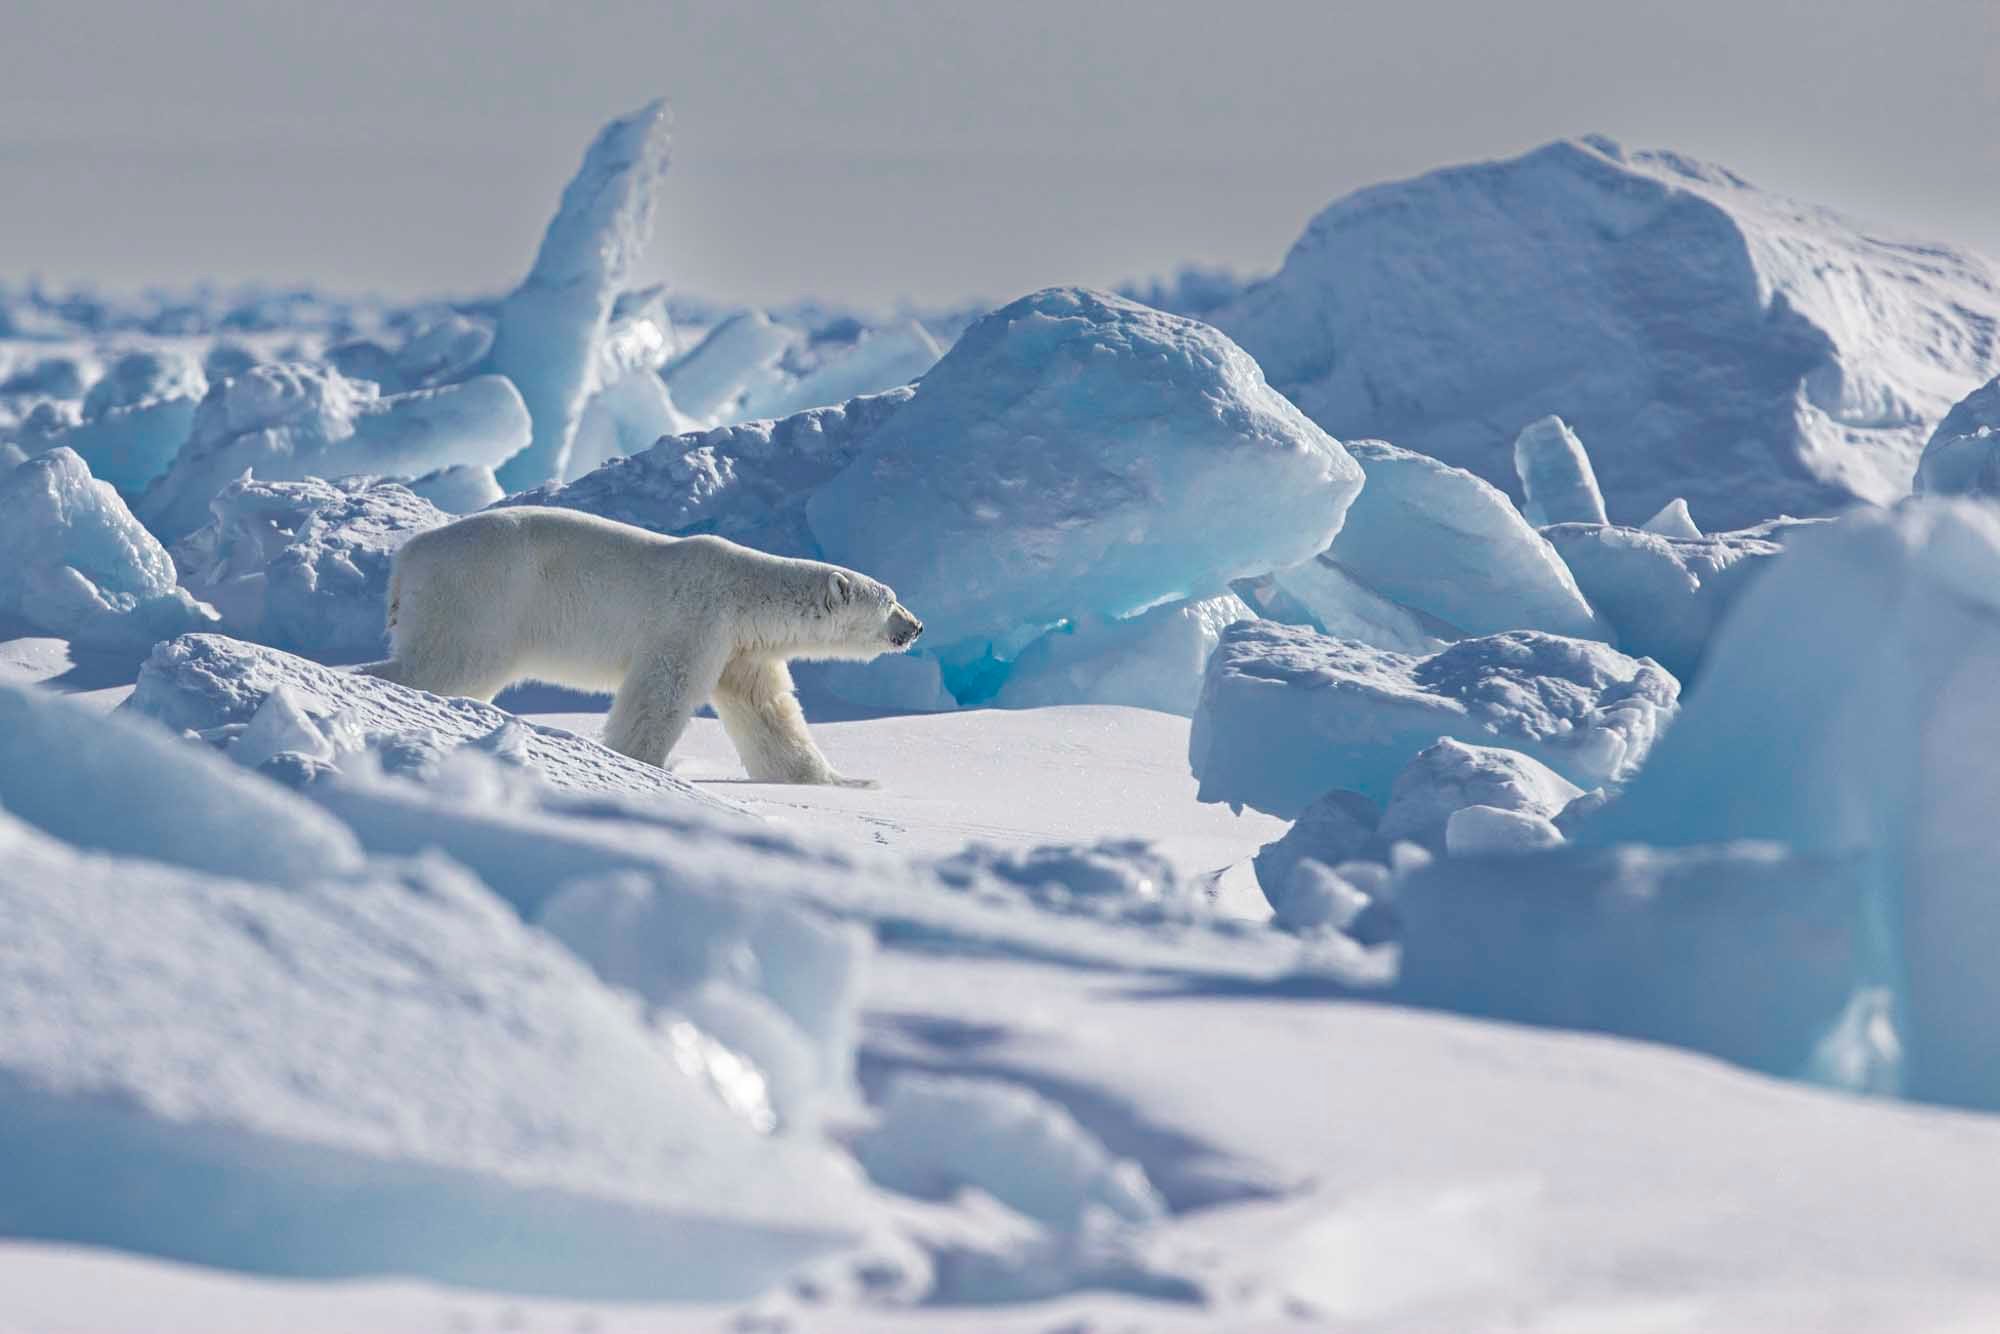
{"x": 759, "y": 710}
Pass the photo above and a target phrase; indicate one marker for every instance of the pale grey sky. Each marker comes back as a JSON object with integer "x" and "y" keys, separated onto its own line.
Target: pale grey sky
{"x": 934, "y": 151}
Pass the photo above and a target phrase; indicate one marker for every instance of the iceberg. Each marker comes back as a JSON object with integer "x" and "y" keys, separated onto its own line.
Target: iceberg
{"x": 287, "y": 421}
{"x": 1962, "y": 457}
{"x": 304, "y": 566}
{"x": 1153, "y": 660}
{"x": 374, "y": 1074}
{"x": 1440, "y": 541}
{"x": 1077, "y": 455}
{"x": 550, "y": 326}
{"x": 1846, "y": 710}
{"x": 1287, "y": 714}
{"x": 76, "y": 564}
{"x": 1557, "y": 483}
{"x": 1711, "y": 340}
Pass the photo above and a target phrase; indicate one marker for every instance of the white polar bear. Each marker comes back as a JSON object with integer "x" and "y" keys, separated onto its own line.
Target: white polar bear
{"x": 668, "y": 623}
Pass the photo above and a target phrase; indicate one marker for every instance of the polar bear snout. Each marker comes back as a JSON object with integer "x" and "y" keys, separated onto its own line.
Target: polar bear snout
{"x": 903, "y": 627}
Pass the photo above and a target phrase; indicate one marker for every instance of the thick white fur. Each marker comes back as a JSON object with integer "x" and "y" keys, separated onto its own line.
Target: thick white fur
{"x": 666, "y": 623}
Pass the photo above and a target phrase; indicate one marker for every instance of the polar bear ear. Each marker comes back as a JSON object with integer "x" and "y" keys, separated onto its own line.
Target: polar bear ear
{"x": 839, "y": 590}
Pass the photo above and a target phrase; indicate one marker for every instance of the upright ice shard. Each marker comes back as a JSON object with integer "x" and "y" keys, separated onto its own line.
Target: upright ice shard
{"x": 1556, "y": 477}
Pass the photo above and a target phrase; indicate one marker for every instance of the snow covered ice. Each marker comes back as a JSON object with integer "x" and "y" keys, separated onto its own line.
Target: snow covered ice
{"x": 1557, "y": 482}
{"x": 1962, "y": 457}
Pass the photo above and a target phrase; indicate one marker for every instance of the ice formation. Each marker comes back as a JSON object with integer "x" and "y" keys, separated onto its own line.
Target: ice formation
{"x": 304, "y": 566}
{"x": 738, "y": 360}
{"x": 1480, "y": 831}
{"x": 1077, "y": 455}
{"x": 1338, "y": 604}
{"x": 1846, "y": 710}
{"x": 458, "y": 489}
{"x": 1338, "y": 827}
{"x": 1712, "y": 340}
{"x": 286, "y": 421}
{"x": 1557, "y": 484}
{"x": 373, "y": 1074}
{"x": 75, "y": 563}
{"x": 1450, "y": 775}
{"x": 550, "y": 326}
{"x": 210, "y": 683}
{"x": 1153, "y": 660}
{"x": 1287, "y": 714}
{"x": 1439, "y": 540}
{"x": 137, "y": 417}
{"x": 1962, "y": 457}
{"x": 1674, "y": 521}
{"x": 886, "y": 358}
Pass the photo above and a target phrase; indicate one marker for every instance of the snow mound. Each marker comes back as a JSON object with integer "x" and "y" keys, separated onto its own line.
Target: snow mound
{"x": 379, "y": 1075}
{"x": 137, "y": 416}
{"x": 1962, "y": 457}
{"x": 122, "y": 785}
{"x": 1441, "y": 541}
{"x": 1745, "y": 950}
{"x": 207, "y": 683}
{"x": 1557, "y": 483}
{"x": 550, "y": 326}
{"x": 1757, "y": 355}
{"x": 304, "y": 566}
{"x": 747, "y": 482}
{"x": 76, "y": 564}
{"x": 1847, "y": 709}
{"x": 1337, "y": 827}
{"x": 1476, "y": 831}
{"x": 1076, "y": 455}
{"x": 1287, "y": 714}
{"x": 1449, "y": 776}
{"x": 1663, "y": 595}
{"x": 1153, "y": 660}
{"x": 287, "y": 421}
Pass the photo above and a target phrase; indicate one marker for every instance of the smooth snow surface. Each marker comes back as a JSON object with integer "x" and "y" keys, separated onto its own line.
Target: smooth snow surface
{"x": 1708, "y": 339}
{"x": 1287, "y": 714}
{"x": 550, "y": 326}
{"x": 1076, "y": 455}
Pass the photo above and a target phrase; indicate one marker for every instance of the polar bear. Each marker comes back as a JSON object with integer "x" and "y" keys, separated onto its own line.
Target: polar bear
{"x": 666, "y": 623}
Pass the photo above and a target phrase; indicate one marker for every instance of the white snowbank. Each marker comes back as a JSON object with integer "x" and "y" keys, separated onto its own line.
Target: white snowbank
{"x": 75, "y": 563}
{"x": 1962, "y": 457}
{"x": 1557, "y": 483}
{"x": 123, "y": 785}
{"x": 370, "y": 1075}
{"x": 1847, "y": 709}
{"x": 1757, "y": 355}
{"x": 1441, "y": 541}
{"x": 1287, "y": 714}
{"x": 304, "y": 566}
{"x": 550, "y": 326}
{"x": 1151, "y": 661}
{"x": 287, "y": 421}
{"x": 1076, "y": 455}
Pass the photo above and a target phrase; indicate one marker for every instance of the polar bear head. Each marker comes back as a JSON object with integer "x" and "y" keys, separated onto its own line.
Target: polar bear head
{"x": 862, "y": 616}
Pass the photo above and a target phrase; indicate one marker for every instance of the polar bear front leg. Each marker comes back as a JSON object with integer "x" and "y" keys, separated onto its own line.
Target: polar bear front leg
{"x": 759, "y": 710}
{"x": 657, "y": 698}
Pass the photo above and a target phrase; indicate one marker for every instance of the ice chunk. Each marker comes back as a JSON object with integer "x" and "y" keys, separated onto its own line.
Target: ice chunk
{"x": 123, "y": 785}
{"x": 550, "y": 326}
{"x": 1847, "y": 709}
{"x": 1150, "y": 661}
{"x": 459, "y": 489}
{"x": 75, "y": 563}
{"x": 1342, "y": 606}
{"x": 1450, "y": 775}
{"x": 941, "y": 1133}
{"x": 1474, "y": 831}
{"x": 208, "y": 682}
{"x": 1077, "y": 455}
{"x": 1315, "y": 896}
{"x": 367, "y": 1076}
{"x": 1338, "y": 827}
{"x": 886, "y": 358}
{"x": 738, "y": 360}
{"x": 444, "y": 350}
{"x": 1749, "y": 951}
{"x": 1710, "y": 340}
{"x": 304, "y": 566}
{"x": 1557, "y": 483}
{"x": 747, "y": 483}
{"x": 286, "y": 421}
{"x": 630, "y": 414}
{"x": 1441, "y": 541}
{"x": 1962, "y": 457}
{"x": 1674, "y": 521}
{"x": 1287, "y": 714}
{"x": 137, "y": 417}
